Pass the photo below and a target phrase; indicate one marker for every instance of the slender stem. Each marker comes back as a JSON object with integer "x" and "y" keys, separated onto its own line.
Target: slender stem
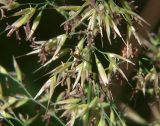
{"x": 89, "y": 91}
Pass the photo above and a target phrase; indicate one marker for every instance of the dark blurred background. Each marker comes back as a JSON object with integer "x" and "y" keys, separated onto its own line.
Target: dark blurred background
{"x": 49, "y": 27}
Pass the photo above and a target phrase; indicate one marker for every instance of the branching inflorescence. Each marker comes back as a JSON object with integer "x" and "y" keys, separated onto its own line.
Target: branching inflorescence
{"x": 86, "y": 80}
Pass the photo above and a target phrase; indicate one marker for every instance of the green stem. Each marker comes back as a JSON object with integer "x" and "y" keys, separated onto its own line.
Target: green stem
{"x": 89, "y": 91}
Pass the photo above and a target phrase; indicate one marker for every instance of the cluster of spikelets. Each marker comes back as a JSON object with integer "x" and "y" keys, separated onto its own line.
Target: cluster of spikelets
{"x": 86, "y": 80}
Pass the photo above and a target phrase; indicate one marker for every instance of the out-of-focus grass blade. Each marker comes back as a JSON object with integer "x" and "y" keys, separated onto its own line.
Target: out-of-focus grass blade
{"x": 80, "y": 44}
{"x": 5, "y": 114}
{"x": 102, "y": 122}
{"x": 112, "y": 117}
{"x": 17, "y": 70}
{"x": 13, "y": 5}
{"x": 21, "y": 100}
{"x": 3, "y": 70}
{"x": 60, "y": 96}
{"x": 132, "y": 115}
{"x": 4, "y": 2}
{"x": 1, "y": 91}
{"x": 9, "y": 6}
{"x": 153, "y": 77}
{"x": 30, "y": 120}
{"x": 9, "y": 101}
{"x": 81, "y": 110}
